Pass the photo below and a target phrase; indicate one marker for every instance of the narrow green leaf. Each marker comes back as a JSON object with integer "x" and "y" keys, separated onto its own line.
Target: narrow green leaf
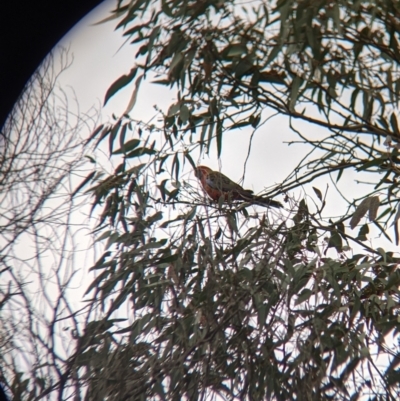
{"x": 165, "y": 82}
{"x": 304, "y": 296}
{"x": 119, "y": 84}
{"x": 230, "y": 219}
{"x": 373, "y": 207}
{"x": 395, "y": 225}
{"x": 104, "y": 133}
{"x": 272, "y": 77}
{"x": 176, "y": 61}
{"x": 300, "y": 279}
{"x": 167, "y": 259}
{"x": 135, "y": 92}
{"x": 83, "y": 183}
{"x": 335, "y": 241}
{"x": 210, "y": 134}
{"x": 91, "y": 159}
{"x": 394, "y": 124}
{"x": 112, "y": 239}
{"x": 173, "y": 109}
{"x": 243, "y": 68}
{"x": 95, "y": 133}
{"x": 151, "y": 245}
{"x": 155, "y": 217}
{"x": 184, "y": 114}
{"x": 275, "y": 51}
{"x": 219, "y": 138}
{"x": 297, "y": 81}
{"x": 115, "y": 14}
{"x": 128, "y": 146}
{"x": 336, "y": 17}
{"x": 236, "y": 49}
{"x": 191, "y": 213}
{"x": 122, "y": 135}
{"x": 140, "y": 152}
{"x": 176, "y": 167}
{"x": 353, "y": 99}
{"x": 187, "y": 156}
{"x": 262, "y": 313}
{"x": 255, "y": 120}
{"x": 113, "y": 136}
{"x": 318, "y": 193}
{"x": 105, "y": 235}
{"x": 240, "y": 124}
{"x": 362, "y": 233}
{"x": 360, "y": 212}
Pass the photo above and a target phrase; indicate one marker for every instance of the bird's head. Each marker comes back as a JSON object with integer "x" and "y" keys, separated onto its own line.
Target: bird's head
{"x": 201, "y": 171}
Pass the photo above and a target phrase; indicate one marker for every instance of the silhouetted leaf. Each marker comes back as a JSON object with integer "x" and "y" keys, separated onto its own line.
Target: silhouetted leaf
{"x": 119, "y": 84}
{"x": 140, "y": 152}
{"x": 362, "y": 234}
{"x": 369, "y": 204}
{"x": 184, "y": 114}
{"x": 95, "y": 133}
{"x": 133, "y": 99}
{"x": 373, "y": 207}
{"x": 173, "y": 109}
{"x": 395, "y": 224}
{"x": 335, "y": 241}
{"x": 318, "y": 193}
{"x": 294, "y": 93}
{"x": 83, "y": 183}
{"x": 236, "y": 49}
{"x": 128, "y": 146}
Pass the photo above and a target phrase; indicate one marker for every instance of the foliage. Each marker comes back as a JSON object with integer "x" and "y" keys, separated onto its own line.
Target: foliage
{"x": 220, "y": 301}
{"x": 198, "y": 300}
{"x": 333, "y": 64}
{"x": 240, "y": 311}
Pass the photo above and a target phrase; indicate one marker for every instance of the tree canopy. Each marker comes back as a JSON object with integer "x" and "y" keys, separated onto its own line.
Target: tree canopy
{"x": 194, "y": 299}
{"x": 255, "y": 305}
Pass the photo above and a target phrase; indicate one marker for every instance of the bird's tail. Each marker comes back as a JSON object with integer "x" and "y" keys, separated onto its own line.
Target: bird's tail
{"x": 260, "y": 200}
{"x": 263, "y": 201}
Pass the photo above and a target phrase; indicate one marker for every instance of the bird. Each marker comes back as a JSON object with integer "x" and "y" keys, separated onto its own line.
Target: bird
{"x": 218, "y": 185}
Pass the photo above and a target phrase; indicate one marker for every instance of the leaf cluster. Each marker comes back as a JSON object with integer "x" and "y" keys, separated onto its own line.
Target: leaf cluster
{"x": 228, "y": 303}
{"x": 221, "y": 301}
{"x": 331, "y": 65}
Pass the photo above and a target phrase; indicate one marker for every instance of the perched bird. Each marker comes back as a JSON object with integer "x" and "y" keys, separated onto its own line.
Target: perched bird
{"x": 216, "y": 185}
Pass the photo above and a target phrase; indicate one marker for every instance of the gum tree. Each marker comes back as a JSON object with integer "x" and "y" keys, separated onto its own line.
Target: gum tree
{"x": 205, "y": 300}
